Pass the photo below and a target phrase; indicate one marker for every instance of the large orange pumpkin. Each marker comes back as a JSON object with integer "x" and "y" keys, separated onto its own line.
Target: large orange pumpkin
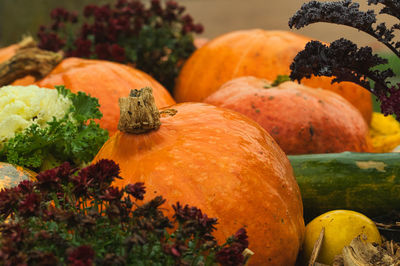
{"x": 104, "y": 80}
{"x": 223, "y": 163}
{"x": 259, "y": 53}
{"x": 301, "y": 119}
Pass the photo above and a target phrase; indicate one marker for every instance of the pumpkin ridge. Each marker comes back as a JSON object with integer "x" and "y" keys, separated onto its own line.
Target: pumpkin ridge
{"x": 246, "y": 52}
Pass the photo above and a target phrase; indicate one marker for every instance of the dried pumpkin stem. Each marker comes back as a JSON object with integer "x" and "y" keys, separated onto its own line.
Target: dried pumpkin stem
{"x": 138, "y": 112}
{"x": 27, "y": 42}
{"x": 28, "y": 60}
{"x": 247, "y": 253}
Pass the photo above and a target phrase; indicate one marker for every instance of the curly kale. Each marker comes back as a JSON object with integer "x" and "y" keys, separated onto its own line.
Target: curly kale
{"x": 391, "y": 8}
{"x": 342, "y": 59}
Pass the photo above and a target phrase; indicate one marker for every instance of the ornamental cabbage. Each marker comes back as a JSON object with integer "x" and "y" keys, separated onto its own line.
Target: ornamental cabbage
{"x": 41, "y": 128}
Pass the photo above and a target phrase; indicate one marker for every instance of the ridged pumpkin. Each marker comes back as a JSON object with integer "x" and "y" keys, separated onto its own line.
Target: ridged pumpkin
{"x": 11, "y": 175}
{"x": 104, "y": 80}
{"x": 221, "y": 162}
{"x": 301, "y": 119}
{"x": 259, "y": 53}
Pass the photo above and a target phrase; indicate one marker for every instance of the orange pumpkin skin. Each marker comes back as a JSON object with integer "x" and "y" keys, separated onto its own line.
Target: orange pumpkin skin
{"x": 225, "y": 164}
{"x": 11, "y": 175}
{"x": 7, "y": 52}
{"x": 106, "y": 81}
{"x": 302, "y": 120}
{"x": 259, "y": 53}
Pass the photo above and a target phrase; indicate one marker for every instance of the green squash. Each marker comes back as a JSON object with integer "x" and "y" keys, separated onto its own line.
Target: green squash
{"x": 364, "y": 182}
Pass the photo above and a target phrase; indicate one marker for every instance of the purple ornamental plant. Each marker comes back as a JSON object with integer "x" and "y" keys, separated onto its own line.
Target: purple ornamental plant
{"x": 342, "y": 59}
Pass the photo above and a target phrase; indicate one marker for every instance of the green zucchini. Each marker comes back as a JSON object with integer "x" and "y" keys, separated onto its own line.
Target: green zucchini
{"x": 365, "y": 182}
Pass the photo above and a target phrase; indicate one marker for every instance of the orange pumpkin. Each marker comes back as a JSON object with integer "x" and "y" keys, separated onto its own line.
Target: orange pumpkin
{"x": 11, "y": 175}
{"x": 7, "y": 52}
{"x": 259, "y": 53}
{"x": 223, "y": 163}
{"x": 104, "y": 80}
{"x": 301, "y": 119}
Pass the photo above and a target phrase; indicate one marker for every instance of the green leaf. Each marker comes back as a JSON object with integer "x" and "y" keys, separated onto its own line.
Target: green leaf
{"x": 83, "y": 107}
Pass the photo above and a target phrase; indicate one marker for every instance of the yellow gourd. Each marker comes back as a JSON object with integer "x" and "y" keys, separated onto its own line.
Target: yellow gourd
{"x": 341, "y": 227}
{"x": 384, "y": 133}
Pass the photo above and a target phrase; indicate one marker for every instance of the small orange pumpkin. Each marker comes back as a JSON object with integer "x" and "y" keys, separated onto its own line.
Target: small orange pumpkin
{"x": 104, "y": 80}
{"x": 301, "y": 119}
{"x": 219, "y": 161}
{"x": 11, "y": 175}
{"x": 259, "y": 53}
{"x": 7, "y": 52}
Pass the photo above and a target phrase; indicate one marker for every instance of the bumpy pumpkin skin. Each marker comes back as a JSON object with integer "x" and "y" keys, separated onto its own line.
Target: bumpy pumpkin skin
{"x": 106, "y": 81}
{"x": 302, "y": 120}
{"x": 259, "y": 53}
{"x": 11, "y": 175}
{"x": 225, "y": 164}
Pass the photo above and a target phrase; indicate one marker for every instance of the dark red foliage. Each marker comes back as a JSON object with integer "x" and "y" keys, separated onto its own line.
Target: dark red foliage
{"x": 176, "y": 249}
{"x": 390, "y": 101}
{"x": 81, "y": 256}
{"x": 118, "y": 52}
{"x": 101, "y": 174}
{"x": 50, "y": 41}
{"x": 127, "y": 31}
{"x": 241, "y": 238}
{"x": 112, "y": 194}
{"x": 230, "y": 256}
{"x": 193, "y": 219}
{"x": 103, "y": 50}
{"x": 30, "y": 204}
{"x": 25, "y": 187}
{"x": 83, "y": 49}
{"x": 137, "y": 190}
{"x": 41, "y": 258}
{"x": 9, "y": 199}
{"x": 13, "y": 232}
{"x": 124, "y": 19}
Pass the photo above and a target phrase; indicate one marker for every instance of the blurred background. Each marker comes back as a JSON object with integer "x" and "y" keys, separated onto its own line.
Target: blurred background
{"x": 21, "y": 17}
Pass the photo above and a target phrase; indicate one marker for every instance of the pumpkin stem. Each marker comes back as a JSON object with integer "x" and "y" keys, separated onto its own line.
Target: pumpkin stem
{"x": 28, "y": 60}
{"x": 27, "y": 42}
{"x": 280, "y": 79}
{"x": 138, "y": 112}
